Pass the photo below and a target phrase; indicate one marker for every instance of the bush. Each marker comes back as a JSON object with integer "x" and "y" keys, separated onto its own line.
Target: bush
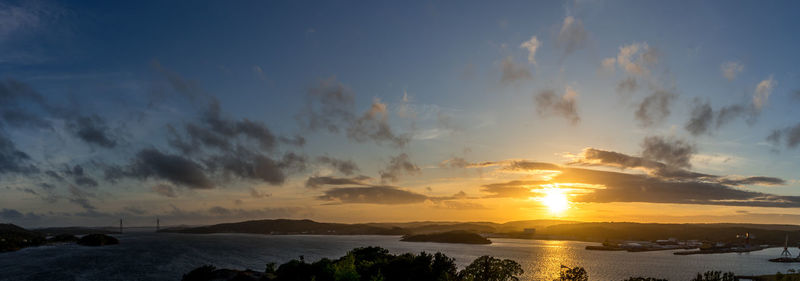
{"x": 715, "y": 276}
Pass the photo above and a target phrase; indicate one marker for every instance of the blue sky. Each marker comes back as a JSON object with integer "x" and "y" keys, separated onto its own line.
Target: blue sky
{"x": 208, "y": 111}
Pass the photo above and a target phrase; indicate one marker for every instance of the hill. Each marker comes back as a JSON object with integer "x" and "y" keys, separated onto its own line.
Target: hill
{"x": 457, "y": 236}
{"x": 283, "y": 226}
{"x": 13, "y": 238}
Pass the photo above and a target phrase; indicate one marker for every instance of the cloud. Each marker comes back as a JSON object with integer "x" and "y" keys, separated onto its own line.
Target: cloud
{"x": 321, "y": 181}
{"x": 164, "y": 190}
{"x": 654, "y": 108}
{"x": 549, "y": 103}
{"x": 608, "y": 186}
{"x": 789, "y": 136}
{"x": 259, "y": 73}
{"x": 81, "y": 198}
{"x": 531, "y": 45}
{"x": 386, "y": 195}
{"x": 14, "y": 19}
{"x": 13, "y": 160}
{"x": 673, "y": 152}
{"x": 330, "y": 106}
{"x": 627, "y": 85}
{"x": 22, "y": 106}
{"x": 374, "y": 125}
{"x": 93, "y": 130}
{"x": 346, "y": 167}
{"x": 513, "y": 189}
{"x": 398, "y": 165}
{"x": 173, "y": 168}
{"x": 608, "y": 64}
{"x": 244, "y": 164}
{"x": 762, "y": 92}
{"x": 636, "y": 58}
{"x": 701, "y": 118}
{"x": 512, "y": 72}
{"x": 455, "y": 162}
{"x": 258, "y": 194}
{"x": 731, "y": 69}
{"x": 80, "y": 178}
{"x": 572, "y": 35}
{"x": 728, "y": 113}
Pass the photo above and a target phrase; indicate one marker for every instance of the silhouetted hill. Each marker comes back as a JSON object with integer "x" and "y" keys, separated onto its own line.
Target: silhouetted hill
{"x": 13, "y": 238}
{"x": 282, "y": 226}
{"x": 600, "y": 231}
{"x": 456, "y": 236}
{"x": 73, "y": 230}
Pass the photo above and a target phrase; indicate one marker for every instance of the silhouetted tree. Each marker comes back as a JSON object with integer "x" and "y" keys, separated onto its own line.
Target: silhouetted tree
{"x": 572, "y": 274}
{"x": 202, "y": 273}
{"x": 644, "y": 279}
{"x": 488, "y": 268}
{"x": 715, "y": 276}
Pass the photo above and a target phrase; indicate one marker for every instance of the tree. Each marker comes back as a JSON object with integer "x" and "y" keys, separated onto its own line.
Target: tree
{"x": 715, "y": 276}
{"x": 572, "y": 274}
{"x": 488, "y": 268}
{"x": 644, "y": 279}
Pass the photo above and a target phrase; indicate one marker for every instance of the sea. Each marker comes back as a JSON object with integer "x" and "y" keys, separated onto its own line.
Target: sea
{"x": 167, "y": 256}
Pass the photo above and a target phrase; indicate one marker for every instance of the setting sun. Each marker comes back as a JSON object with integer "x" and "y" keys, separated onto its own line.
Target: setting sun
{"x": 556, "y": 200}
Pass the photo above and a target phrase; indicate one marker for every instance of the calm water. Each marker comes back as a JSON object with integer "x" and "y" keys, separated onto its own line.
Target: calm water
{"x": 151, "y": 256}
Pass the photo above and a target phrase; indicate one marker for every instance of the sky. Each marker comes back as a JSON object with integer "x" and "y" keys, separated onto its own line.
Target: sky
{"x": 375, "y": 111}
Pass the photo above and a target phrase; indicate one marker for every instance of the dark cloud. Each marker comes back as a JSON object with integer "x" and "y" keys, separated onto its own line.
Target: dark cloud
{"x": 788, "y": 137}
{"x": 346, "y": 167}
{"x": 244, "y": 164}
{"x": 752, "y": 181}
{"x": 549, "y": 103}
{"x": 654, "y": 108}
{"x": 265, "y": 213}
{"x": 17, "y": 216}
{"x": 222, "y": 127}
{"x": 296, "y": 140}
{"x": 164, "y": 190}
{"x": 174, "y": 168}
{"x": 330, "y": 106}
{"x": 398, "y": 165}
{"x": 627, "y": 85}
{"x": 701, "y": 118}
{"x": 455, "y": 162}
{"x": 80, "y": 177}
{"x": 317, "y": 182}
{"x": 513, "y": 189}
{"x": 374, "y": 125}
{"x": 93, "y": 130}
{"x": 512, "y": 72}
{"x": 22, "y": 106}
{"x": 729, "y": 113}
{"x": 373, "y": 195}
{"x": 672, "y": 152}
{"x": 81, "y": 198}
{"x": 13, "y": 160}
{"x": 258, "y": 194}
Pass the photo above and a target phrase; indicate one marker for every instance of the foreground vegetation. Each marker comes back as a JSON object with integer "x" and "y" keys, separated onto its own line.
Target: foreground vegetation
{"x": 377, "y": 264}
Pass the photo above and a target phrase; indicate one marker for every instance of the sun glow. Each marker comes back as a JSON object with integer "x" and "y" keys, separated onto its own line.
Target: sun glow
{"x": 556, "y": 200}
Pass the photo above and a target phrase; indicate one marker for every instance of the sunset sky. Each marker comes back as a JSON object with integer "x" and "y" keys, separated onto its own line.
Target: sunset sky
{"x": 344, "y": 111}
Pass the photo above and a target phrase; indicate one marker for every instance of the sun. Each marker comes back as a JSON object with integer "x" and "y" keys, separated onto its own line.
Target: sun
{"x": 556, "y": 200}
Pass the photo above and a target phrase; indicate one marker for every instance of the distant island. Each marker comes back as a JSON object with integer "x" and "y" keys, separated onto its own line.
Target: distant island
{"x": 13, "y": 238}
{"x": 456, "y": 236}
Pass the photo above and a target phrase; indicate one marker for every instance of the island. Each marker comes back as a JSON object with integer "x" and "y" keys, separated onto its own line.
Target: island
{"x": 456, "y": 236}
{"x": 13, "y": 238}
{"x": 97, "y": 240}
